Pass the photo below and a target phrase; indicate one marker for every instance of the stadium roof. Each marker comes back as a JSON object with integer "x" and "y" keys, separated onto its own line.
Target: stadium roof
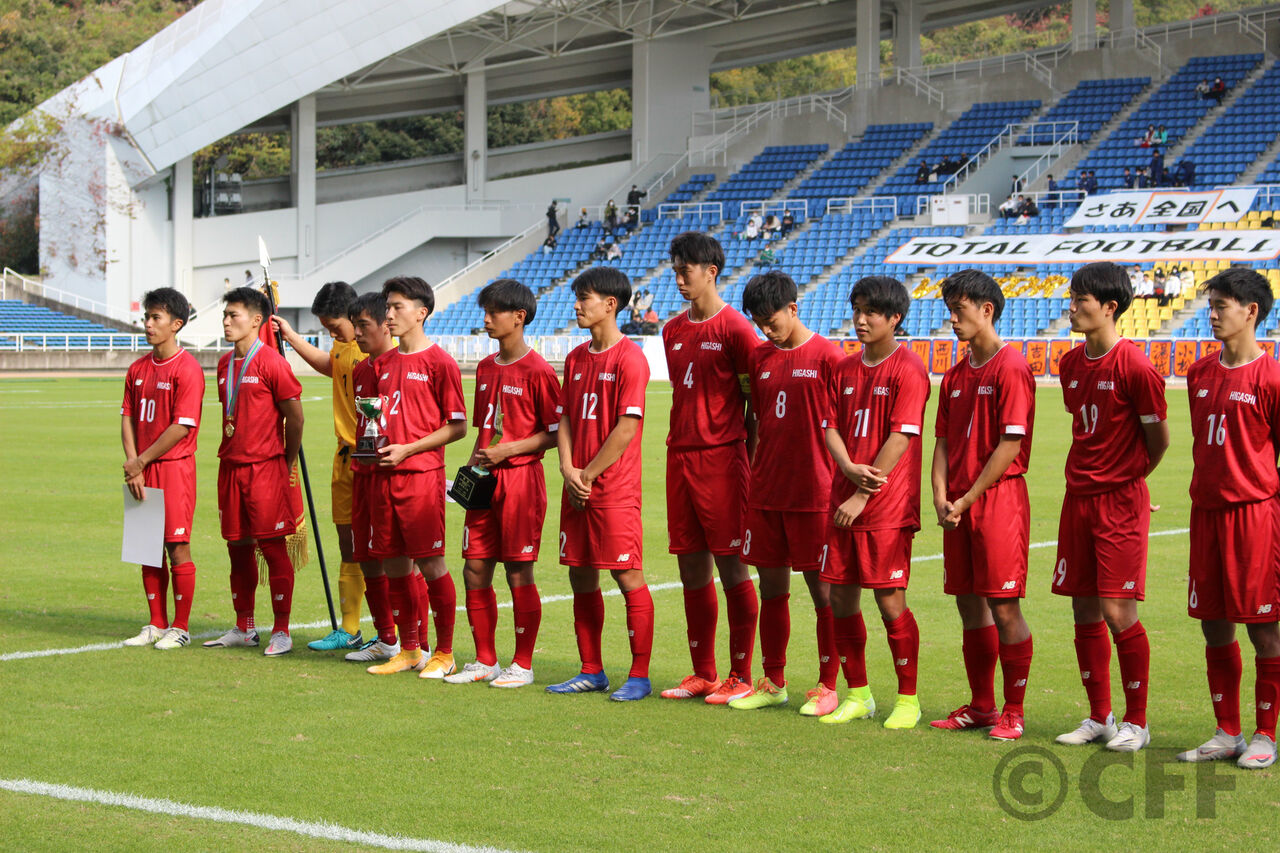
{"x": 229, "y": 65}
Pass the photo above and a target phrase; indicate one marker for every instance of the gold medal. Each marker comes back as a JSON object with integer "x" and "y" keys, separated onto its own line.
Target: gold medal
{"x": 229, "y": 429}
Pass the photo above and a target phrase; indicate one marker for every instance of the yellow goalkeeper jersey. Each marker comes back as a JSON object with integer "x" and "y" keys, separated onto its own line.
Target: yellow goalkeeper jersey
{"x": 343, "y": 358}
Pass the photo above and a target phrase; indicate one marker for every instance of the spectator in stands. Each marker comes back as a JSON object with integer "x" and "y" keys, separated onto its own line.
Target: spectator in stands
{"x": 1162, "y": 136}
{"x": 1142, "y": 178}
{"x": 1218, "y": 90}
{"x": 1135, "y": 278}
{"x": 584, "y": 221}
{"x": 767, "y": 258}
{"x": 633, "y": 200}
{"x": 1202, "y": 88}
{"x": 629, "y": 221}
{"x": 1188, "y": 282}
{"x": 610, "y": 217}
{"x": 1157, "y": 168}
{"x": 1093, "y": 182}
{"x": 752, "y": 229}
{"x": 613, "y": 253}
{"x": 650, "y": 324}
{"x": 1009, "y": 207}
{"x": 226, "y": 284}
{"x": 772, "y": 226}
{"x": 600, "y": 250}
{"x": 1147, "y": 139}
{"x": 553, "y": 220}
{"x": 788, "y": 222}
{"x": 1016, "y": 186}
{"x": 923, "y": 172}
{"x": 1028, "y": 208}
{"x": 1128, "y": 178}
{"x": 1158, "y": 287}
{"x": 1145, "y": 288}
{"x": 1184, "y": 174}
{"x": 549, "y": 244}
{"x": 1052, "y": 198}
{"x": 248, "y": 278}
{"x": 644, "y": 299}
{"x": 632, "y": 326}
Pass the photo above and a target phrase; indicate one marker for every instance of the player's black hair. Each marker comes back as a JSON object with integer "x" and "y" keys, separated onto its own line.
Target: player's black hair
{"x": 883, "y": 295}
{"x": 252, "y": 298}
{"x": 1106, "y": 282}
{"x": 1244, "y": 286}
{"x": 696, "y": 247}
{"x": 604, "y": 281}
{"x": 374, "y": 304}
{"x": 975, "y": 286}
{"x": 768, "y": 293}
{"x": 507, "y": 294}
{"x": 333, "y": 300}
{"x": 170, "y": 301}
{"x": 411, "y": 287}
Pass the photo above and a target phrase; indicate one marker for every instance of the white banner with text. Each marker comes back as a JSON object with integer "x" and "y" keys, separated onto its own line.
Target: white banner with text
{"x": 1164, "y": 207}
{"x": 1121, "y": 247}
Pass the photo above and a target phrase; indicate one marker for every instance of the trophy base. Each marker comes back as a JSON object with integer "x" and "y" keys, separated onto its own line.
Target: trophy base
{"x": 367, "y": 448}
{"x": 472, "y": 489}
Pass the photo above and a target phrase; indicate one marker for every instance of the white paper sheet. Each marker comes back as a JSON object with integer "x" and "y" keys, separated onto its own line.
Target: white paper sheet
{"x": 143, "y": 543}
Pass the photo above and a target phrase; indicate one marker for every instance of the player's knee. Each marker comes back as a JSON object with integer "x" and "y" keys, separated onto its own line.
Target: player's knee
{"x": 1266, "y": 639}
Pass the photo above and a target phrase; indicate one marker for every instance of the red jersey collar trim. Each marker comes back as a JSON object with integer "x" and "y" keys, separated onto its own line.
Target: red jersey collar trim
{"x": 1118, "y": 342}
{"x": 180, "y": 351}
{"x": 812, "y": 335}
{"x": 590, "y": 351}
{"x": 689, "y": 315}
{"x": 969, "y": 360}
{"x": 865, "y": 363}
{"x": 1226, "y": 366}
{"x": 497, "y": 358}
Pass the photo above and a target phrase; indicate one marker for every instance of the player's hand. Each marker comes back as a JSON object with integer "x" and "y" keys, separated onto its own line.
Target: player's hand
{"x": 866, "y": 477}
{"x": 945, "y": 509}
{"x": 136, "y": 487}
{"x": 1155, "y": 507}
{"x": 393, "y": 455}
{"x": 282, "y": 325}
{"x": 958, "y": 507}
{"x": 133, "y": 467}
{"x": 851, "y": 509}
{"x": 576, "y": 486}
{"x": 491, "y": 456}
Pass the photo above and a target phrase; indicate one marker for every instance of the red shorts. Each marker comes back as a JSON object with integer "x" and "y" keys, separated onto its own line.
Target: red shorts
{"x": 706, "y": 496}
{"x": 1234, "y": 573}
{"x": 407, "y": 512}
{"x": 253, "y": 500}
{"x": 178, "y": 479}
{"x": 876, "y": 559}
{"x": 1102, "y": 543}
{"x": 776, "y": 538}
{"x": 511, "y": 529}
{"x": 609, "y": 537}
{"x": 987, "y": 554}
{"x": 361, "y": 514}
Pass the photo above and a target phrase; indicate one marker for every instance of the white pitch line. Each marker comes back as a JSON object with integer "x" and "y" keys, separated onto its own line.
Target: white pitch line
{"x": 314, "y": 829}
{"x": 503, "y": 605}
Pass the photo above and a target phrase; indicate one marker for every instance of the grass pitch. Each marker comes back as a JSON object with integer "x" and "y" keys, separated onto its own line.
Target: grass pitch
{"x": 313, "y": 738}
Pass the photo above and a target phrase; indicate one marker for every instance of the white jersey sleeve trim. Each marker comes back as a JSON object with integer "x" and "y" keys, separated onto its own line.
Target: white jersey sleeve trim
{"x": 1014, "y": 429}
{"x": 1150, "y": 419}
{"x": 908, "y": 429}
{"x": 634, "y": 410}
{"x": 457, "y": 416}
{"x": 555, "y": 427}
{"x": 187, "y": 422}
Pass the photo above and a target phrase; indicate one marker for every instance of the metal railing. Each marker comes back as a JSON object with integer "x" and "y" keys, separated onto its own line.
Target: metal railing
{"x": 85, "y": 342}
{"x": 1028, "y": 61}
{"x": 765, "y": 207}
{"x": 1061, "y": 136}
{"x": 738, "y": 121}
{"x": 17, "y": 281}
{"x": 692, "y": 208}
{"x": 905, "y": 77}
{"x": 848, "y": 204}
{"x": 489, "y": 255}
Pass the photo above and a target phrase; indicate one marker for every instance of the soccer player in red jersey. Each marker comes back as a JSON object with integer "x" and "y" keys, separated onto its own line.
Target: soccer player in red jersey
{"x": 163, "y": 393}
{"x": 986, "y": 410}
{"x": 1235, "y": 425}
{"x": 602, "y": 411}
{"x": 708, "y": 348}
{"x": 368, "y": 316}
{"x": 331, "y": 307}
{"x": 874, "y": 434}
{"x": 1119, "y": 432}
{"x": 517, "y": 396}
{"x": 261, "y": 435}
{"x": 422, "y": 410}
{"x": 786, "y": 524}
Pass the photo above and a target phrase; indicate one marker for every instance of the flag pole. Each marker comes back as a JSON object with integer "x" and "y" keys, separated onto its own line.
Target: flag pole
{"x": 265, "y": 260}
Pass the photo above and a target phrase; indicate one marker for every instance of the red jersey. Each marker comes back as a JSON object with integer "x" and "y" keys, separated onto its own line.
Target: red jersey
{"x": 1235, "y": 421}
{"x": 869, "y": 403}
{"x": 158, "y": 394}
{"x": 708, "y": 363}
{"x": 789, "y": 391}
{"x": 599, "y": 388}
{"x": 525, "y": 392}
{"x": 1109, "y": 398}
{"x": 979, "y": 405}
{"x": 364, "y": 383}
{"x": 421, "y": 392}
{"x": 259, "y": 425}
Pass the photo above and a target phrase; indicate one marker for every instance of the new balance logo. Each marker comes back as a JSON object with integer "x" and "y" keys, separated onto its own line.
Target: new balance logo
{"x": 737, "y": 543}
{"x": 1132, "y": 685}
{"x": 1074, "y": 383}
{"x": 385, "y": 375}
{"x": 901, "y": 662}
{"x": 151, "y": 596}
{"x": 1085, "y": 673}
{"x": 439, "y": 543}
{"x": 279, "y": 597}
{"x": 848, "y": 391}
{"x": 622, "y": 558}
{"x": 739, "y": 655}
{"x": 693, "y": 644}
{"x": 1264, "y": 706}
{"x": 527, "y": 549}
{"x": 1021, "y": 682}
{"x": 484, "y": 386}
{"x": 955, "y": 393}
{"x": 1217, "y": 697}
{"x": 179, "y": 531}
{"x": 137, "y": 382}
{"x": 1203, "y": 392}
{"x": 1264, "y": 608}
{"x": 765, "y": 375}
{"x": 895, "y": 574}
{"x": 675, "y": 347}
{"x": 577, "y": 376}
{"x": 279, "y": 525}
{"x": 1010, "y": 585}
{"x": 1128, "y": 584}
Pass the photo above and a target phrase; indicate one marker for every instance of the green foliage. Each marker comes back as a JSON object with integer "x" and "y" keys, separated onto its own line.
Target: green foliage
{"x": 253, "y": 155}
{"x": 559, "y": 118}
{"x": 366, "y": 142}
{"x": 19, "y": 237}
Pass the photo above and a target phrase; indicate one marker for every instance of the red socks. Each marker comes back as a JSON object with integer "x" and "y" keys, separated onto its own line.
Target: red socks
{"x": 422, "y": 599}
{"x": 701, "y": 610}
{"x": 1015, "y": 665}
{"x": 828, "y": 658}
{"x": 444, "y": 603}
{"x": 639, "y": 629}
{"x": 744, "y": 612}
{"x": 981, "y": 650}
{"x": 244, "y": 580}
{"x": 375, "y": 593}
{"x": 775, "y": 633}
{"x": 280, "y": 580}
{"x": 403, "y": 597}
{"x": 588, "y": 626}
{"x": 155, "y": 583}
{"x": 1267, "y": 694}
{"x": 851, "y": 645}
{"x": 1223, "y": 664}
{"x": 527, "y": 609}
{"x": 1134, "y": 653}
{"x": 184, "y": 589}
{"x": 1093, "y": 653}
{"x": 904, "y": 645}
{"x": 482, "y": 613}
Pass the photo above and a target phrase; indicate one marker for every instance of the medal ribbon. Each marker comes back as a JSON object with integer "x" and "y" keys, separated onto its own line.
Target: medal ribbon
{"x": 233, "y": 388}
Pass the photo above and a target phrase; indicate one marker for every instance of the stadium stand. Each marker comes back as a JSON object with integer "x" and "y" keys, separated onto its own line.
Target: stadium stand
{"x": 59, "y": 330}
{"x": 858, "y": 164}
{"x": 1239, "y": 136}
{"x": 768, "y": 172}
{"x": 1091, "y": 104}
